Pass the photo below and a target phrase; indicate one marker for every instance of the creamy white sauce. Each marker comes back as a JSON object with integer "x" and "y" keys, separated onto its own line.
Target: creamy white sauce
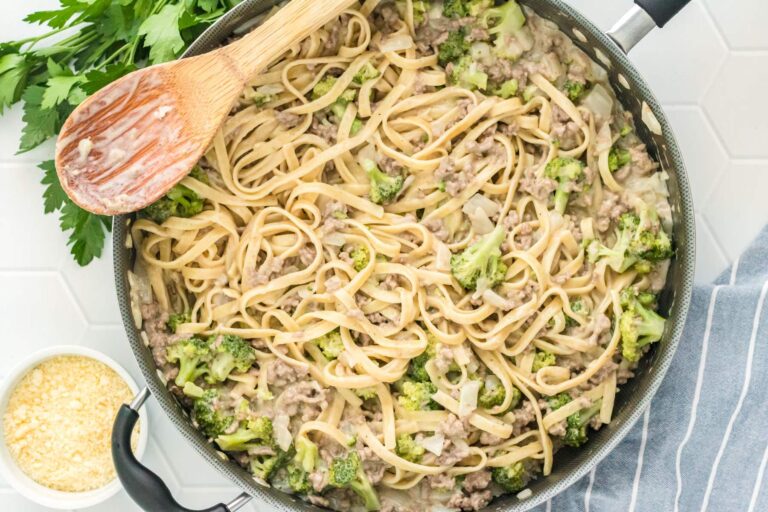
{"x": 161, "y": 112}
{"x": 84, "y": 147}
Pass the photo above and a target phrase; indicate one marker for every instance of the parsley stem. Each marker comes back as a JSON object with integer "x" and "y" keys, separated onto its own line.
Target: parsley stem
{"x": 39, "y": 38}
{"x": 114, "y": 55}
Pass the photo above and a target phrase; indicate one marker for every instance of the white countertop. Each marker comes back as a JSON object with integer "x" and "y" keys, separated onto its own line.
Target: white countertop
{"x": 709, "y": 67}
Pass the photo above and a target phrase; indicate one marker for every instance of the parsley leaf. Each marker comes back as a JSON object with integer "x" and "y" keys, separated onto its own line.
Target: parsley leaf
{"x": 41, "y": 123}
{"x": 96, "y": 79}
{"x": 58, "y": 90}
{"x": 13, "y": 78}
{"x": 162, "y": 34}
{"x": 87, "y": 237}
{"x": 54, "y": 195}
{"x": 56, "y": 18}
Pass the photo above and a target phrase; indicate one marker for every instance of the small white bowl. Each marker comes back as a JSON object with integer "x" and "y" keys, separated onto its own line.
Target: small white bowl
{"x": 24, "y": 484}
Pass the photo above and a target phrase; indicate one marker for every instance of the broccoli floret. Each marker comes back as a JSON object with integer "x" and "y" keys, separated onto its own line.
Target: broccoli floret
{"x": 306, "y": 454}
{"x": 492, "y": 394}
{"x": 467, "y": 73}
{"x": 577, "y": 306}
{"x": 512, "y": 478}
{"x": 233, "y": 353}
{"x": 348, "y": 472}
{"x": 420, "y": 9}
{"x": 209, "y": 420}
{"x": 180, "y": 201}
{"x": 559, "y": 400}
{"x": 416, "y": 368}
{"x": 507, "y": 89}
{"x": 456, "y": 8}
{"x": 366, "y": 393}
{"x": 323, "y": 87}
{"x": 192, "y": 390}
{"x": 330, "y": 344}
{"x": 298, "y": 480}
{"x": 505, "y": 19}
{"x": 360, "y": 258}
{"x": 339, "y": 106}
{"x": 264, "y": 466}
{"x": 417, "y": 396}
{"x": 193, "y": 356}
{"x": 177, "y": 319}
{"x": 199, "y": 174}
{"x": 481, "y": 262}
{"x": 574, "y": 90}
{"x": 260, "y": 99}
{"x": 357, "y": 125}
{"x": 530, "y": 92}
{"x": 617, "y": 257}
{"x": 542, "y": 359}
{"x": 639, "y": 325}
{"x": 453, "y": 48}
{"x": 567, "y": 172}
{"x": 650, "y": 242}
{"x": 408, "y": 449}
{"x": 618, "y": 158}
{"x": 367, "y": 72}
{"x": 577, "y": 423}
{"x": 255, "y": 433}
{"x": 384, "y": 188}
{"x": 640, "y": 240}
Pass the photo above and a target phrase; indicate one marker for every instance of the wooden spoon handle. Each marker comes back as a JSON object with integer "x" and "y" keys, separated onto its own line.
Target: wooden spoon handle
{"x": 291, "y": 24}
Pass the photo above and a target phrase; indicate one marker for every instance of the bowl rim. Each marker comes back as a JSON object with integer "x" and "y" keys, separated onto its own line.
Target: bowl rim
{"x": 13, "y": 474}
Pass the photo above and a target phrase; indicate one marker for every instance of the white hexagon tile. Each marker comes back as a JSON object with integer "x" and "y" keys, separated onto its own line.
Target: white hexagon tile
{"x": 709, "y": 68}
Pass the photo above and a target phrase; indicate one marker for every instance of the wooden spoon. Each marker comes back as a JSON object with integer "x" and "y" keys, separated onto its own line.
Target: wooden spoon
{"x": 127, "y": 145}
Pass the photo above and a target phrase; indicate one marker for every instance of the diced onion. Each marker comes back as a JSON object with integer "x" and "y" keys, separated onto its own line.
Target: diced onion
{"x": 481, "y": 52}
{"x": 468, "y": 398}
{"x": 598, "y": 73}
{"x": 552, "y": 68}
{"x": 433, "y": 444}
{"x": 481, "y": 224}
{"x": 599, "y": 101}
{"x": 335, "y": 239}
{"x": 603, "y": 141}
{"x": 270, "y": 89}
{"x": 492, "y": 298}
{"x": 524, "y": 494}
{"x": 282, "y": 434}
{"x": 442, "y": 257}
{"x": 649, "y": 119}
{"x": 396, "y": 43}
{"x": 480, "y": 201}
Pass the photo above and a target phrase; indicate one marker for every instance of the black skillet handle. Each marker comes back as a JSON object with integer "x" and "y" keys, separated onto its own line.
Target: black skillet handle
{"x": 142, "y": 485}
{"x": 662, "y": 10}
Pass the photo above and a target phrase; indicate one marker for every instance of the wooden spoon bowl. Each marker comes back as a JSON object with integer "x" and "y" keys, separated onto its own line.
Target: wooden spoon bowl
{"x": 124, "y": 147}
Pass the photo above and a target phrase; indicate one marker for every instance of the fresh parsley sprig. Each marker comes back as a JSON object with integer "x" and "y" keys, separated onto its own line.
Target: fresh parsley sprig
{"x": 90, "y": 44}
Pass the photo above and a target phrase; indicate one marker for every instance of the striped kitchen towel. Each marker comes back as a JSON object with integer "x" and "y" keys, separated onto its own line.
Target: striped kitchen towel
{"x": 702, "y": 445}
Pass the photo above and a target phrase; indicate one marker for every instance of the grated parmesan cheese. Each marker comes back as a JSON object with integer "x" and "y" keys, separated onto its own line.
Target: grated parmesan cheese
{"x": 58, "y": 423}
